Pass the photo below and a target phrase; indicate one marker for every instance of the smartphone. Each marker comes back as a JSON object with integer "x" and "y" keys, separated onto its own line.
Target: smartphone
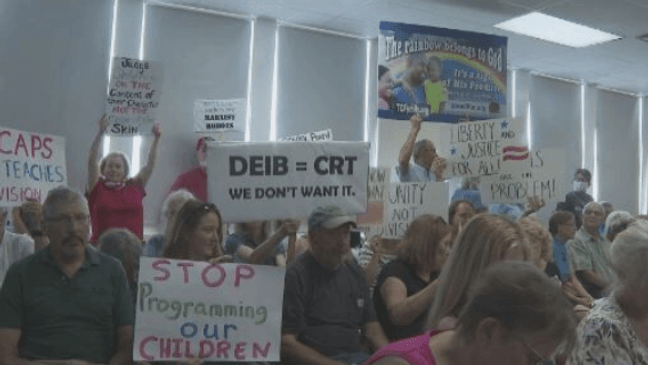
{"x": 356, "y": 238}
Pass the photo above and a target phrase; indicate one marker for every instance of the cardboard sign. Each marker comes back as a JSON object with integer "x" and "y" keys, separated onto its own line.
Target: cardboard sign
{"x": 443, "y": 74}
{"x": 263, "y": 181}
{"x": 406, "y": 201}
{"x": 32, "y": 164}
{"x": 220, "y": 312}
{"x": 219, "y": 115}
{"x": 479, "y": 148}
{"x": 134, "y": 96}
{"x": 541, "y": 175}
{"x": 371, "y": 221}
{"x": 320, "y": 136}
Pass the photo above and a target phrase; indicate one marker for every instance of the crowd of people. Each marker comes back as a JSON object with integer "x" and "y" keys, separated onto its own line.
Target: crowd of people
{"x": 480, "y": 288}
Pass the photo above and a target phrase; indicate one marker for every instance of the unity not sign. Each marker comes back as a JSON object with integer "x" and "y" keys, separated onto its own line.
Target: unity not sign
{"x": 406, "y": 201}
{"x": 32, "y": 164}
{"x": 217, "y": 312}
{"x": 134, "y": 95}
{"x": 261, "y": 181}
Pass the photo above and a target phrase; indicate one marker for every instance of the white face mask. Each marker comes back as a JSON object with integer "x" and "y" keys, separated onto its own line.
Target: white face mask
{"x": 580, "y": 186}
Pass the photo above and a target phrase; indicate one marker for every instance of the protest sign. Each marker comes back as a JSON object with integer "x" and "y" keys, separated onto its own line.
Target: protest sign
{"x": 33, "y": 163}
{"x": 538, "y": 175}
{"x": 479, "y": 148}
{"x": 371, "y": 221}
{"x": 443, "y": 74}
{"x": 319, "y": 136}
{"x": 406, "y": 201}
{"x": 217, "y": 312}
{"x": 219, "y": 115}
{"x": 134, "y": 96}
{"x": 262, "y": 181}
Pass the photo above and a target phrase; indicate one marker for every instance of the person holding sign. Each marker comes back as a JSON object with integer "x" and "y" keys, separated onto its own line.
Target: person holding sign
{"x": 253, "y": 244}
{"x": 67, "y": 303}
{"x": 116, "y": 200}
{"x": 427, "y": 166}
{"x": 406, "y": 286}
{"x": 326, "y": 298}
{"x": 514, "y": 314}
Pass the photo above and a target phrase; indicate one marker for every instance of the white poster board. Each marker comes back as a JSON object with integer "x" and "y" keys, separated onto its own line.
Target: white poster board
{"x": 406, "y": 201}
{"x": 221, "y": 312}
{"x": 32, "y": 164}
{"x": 212, "y": 116}
{"x": 264, "y": 181}
{"x": 133, "y": 96}
{"x": 319, "y": 136}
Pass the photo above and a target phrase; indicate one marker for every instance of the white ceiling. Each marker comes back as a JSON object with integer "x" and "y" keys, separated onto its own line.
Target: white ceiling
{"x": 621, "y": 64}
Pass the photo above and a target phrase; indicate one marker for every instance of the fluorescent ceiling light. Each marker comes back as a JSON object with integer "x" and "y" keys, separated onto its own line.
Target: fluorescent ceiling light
{"x": 552, "y": 29}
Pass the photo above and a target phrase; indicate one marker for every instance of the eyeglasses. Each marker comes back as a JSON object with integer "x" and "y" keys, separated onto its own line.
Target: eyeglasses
{"x": 535, "y": 357}
{"x": 68, "y": 219}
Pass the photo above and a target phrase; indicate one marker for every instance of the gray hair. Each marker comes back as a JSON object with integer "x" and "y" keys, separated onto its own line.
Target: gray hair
{"x": 123, "y": 245}
{"x": 616, "y": 223}
{"x": 524, "y": 300}
{"x": 592, "y": 205}
{"x": 419, "y": 147}
{"x": 60, "y": 195}
{"x": 629, "y": 256}
{"x": 183, "y": 194}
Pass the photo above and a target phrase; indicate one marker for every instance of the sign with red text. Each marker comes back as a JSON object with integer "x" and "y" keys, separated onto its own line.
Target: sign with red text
{"x": 32, "y": 164}
{"x": 481, "y": 148}
{"x": 264, "y": 181}
{"x": 133, "y": 96}
{"x": 219, "y": 115}
{"x": 406, "y": 201}
{"x": 216, "y": 312}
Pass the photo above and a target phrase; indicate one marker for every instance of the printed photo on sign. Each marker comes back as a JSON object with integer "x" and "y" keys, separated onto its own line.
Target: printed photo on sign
{"x": 262, "y": 181}
{"x": 406, "y": 201}
{"x": 33, "y": 164}
{"x": 479, "y": 148}
{"x": 220, "y": 115}
{"x": 320, "y": 136}
{"x": 134, "y": 96}
{"x": 443, "y": 74}
{"x": 216, "y": 312}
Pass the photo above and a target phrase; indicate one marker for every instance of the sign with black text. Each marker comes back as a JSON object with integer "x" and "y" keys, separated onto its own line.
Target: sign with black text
{"x": 219, "y": 115}
{"x": 406, "y": 201}
{"x": 134, "y": 96}
{"x": 320, "y": 136}
{"x": 263, "y": 181}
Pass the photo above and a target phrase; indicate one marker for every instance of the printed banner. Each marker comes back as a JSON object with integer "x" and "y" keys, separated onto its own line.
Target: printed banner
{"x": 216, "y": 312}
{"x": 445, "y": 75}
{"x": 406, "y": 201}
{"x": 479, "y": 148}
{"x": 134, "y": 96}
{"x": 219, "y": 115}
{"x": 263, "y": 181}
{"x": 371, "y": 221}
{"x": 540, "y": 174}
{"x": 320, "y": 136}
{"x": 33, "y": 163}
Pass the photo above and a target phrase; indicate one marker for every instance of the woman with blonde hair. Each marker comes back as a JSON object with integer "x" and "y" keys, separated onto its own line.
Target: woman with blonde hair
{"x": 406, "y": 286}
{"x": 486, "y": 239}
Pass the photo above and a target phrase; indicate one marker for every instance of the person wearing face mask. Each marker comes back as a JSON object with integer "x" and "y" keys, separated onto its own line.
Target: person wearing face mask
{"x": 115, "y": 200}
{"x": 576, "y": 200}
{"x": 195, "y": 179}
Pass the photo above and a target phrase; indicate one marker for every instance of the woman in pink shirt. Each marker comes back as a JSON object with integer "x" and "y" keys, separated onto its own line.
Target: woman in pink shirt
{"x": 115, "y": 200}
{"x": 514, "y": 315}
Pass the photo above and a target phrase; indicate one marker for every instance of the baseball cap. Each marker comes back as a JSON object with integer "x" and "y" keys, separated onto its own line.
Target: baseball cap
{"x": 329, "y": 217}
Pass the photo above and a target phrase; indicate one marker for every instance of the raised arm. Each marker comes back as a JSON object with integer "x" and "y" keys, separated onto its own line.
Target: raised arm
{"x": 93, "y": 157}
{"x": 408, "y": 146}
{"x": 257, "y": 255}
{"x": 145, "y": 173}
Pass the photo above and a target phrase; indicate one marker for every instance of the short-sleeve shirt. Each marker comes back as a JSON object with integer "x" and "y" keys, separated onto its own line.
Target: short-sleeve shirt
{"x": 414, "y": 284}
{"x": 64, "y": 319}
{"x": 415, "y": 173}
{"x": 13, "y": 248}
{"x": 117, "y": 208}
{"x": 589, "y": 253}
{"x": 326, "y": 308}
{"x": 561, "y": 258}
{"x": 606, "y": 336}
{"x": 235, "y": 240}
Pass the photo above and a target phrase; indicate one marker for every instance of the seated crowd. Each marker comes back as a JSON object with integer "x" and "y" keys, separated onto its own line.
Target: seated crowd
{"x": 480, "y": 289}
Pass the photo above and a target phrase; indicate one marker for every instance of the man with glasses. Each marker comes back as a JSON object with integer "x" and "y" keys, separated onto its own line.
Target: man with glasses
{"x": 68, "y": 303}
{"x": 427, "y": 166}
{"x": 589, "y": 250}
